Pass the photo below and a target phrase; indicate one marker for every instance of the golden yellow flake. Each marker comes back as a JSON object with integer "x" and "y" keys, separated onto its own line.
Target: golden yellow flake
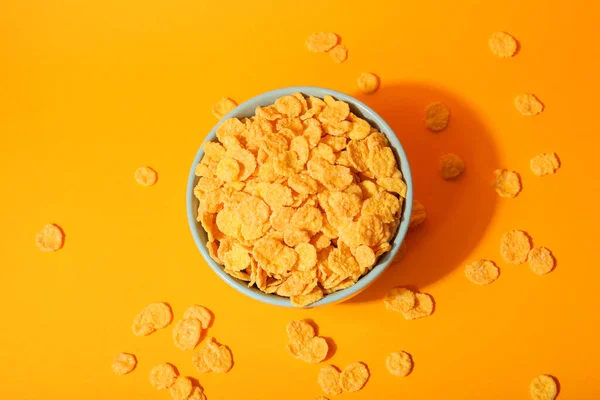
{"x": 50, "y": 238}
{"x": 502, "y": 44}
{"x": 506, "y": 183}
{"x": 123, "y": 363}
{"x": 528, "y": 104}
{"x": 368, "y": 82}
{"x": 354, "y": 377}
{"x": 482, "y": 272}
{"x": 145, "y": 176}
{"x": 399, "y": 363}
{"x": 515, "y": 247}
{"x": 541, "y": 260}
{"x": 543, "y": 387}
{"x": 436, "y": 116}
{"x": 544, "y": 164}
{"x": 162, "y": 376}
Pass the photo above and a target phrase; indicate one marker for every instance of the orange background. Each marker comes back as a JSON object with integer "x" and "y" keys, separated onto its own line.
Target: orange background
{"x": 91, "y": 90}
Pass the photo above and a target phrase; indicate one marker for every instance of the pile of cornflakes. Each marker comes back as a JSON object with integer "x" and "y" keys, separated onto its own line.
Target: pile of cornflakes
{"x": 301, "y": 199}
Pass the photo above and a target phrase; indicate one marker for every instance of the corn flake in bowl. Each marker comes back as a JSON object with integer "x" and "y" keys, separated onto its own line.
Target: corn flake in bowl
{"x": 300, "y": 197}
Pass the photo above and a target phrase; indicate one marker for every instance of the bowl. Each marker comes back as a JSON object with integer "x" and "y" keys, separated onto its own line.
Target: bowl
{"x": 247, "y": 109}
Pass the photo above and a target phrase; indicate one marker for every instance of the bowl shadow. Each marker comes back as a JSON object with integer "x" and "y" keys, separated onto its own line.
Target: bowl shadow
{"x": 458, "y": 211}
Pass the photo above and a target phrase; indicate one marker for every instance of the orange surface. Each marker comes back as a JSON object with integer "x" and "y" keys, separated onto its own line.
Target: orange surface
{"x": 91, "y": 90}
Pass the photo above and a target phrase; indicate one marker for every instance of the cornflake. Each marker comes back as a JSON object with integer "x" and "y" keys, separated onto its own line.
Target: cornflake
{"x": 200, "y": 313}
{"x": 502, "y": 44}
{"x": 354, "y": 377}
{"x": 339, "y": 53}
{"x": 303, "y": 343}
{"x": 217, "y": 357}
{"x": 528, "y": 104}
{"x": 321, "y": 42}
{"x": 515, "y": 247}
{"x": 299, "y": 200}
{"x": 399, "y": 363}
{"x": 482, "y": 272}
{"x": 181, "y": 389}
{"x": 329, "y": 380}
{"x": 544, "y": 164}
{"x": 152, "y": 317}
{"x": 368, "y": 82}
{"x": 543, "y": 387}
{"x": 223, "y": 107}
{"x": 162, "y": 376}
{"x": 506, "y": 183}
{"x": 451, "y": 166}
{"x": 123, "y": 363}
{"x": 145, "y": 176}
{"x": 198, "y": 361}
{"x": 186, "y": 333}
{"x": 541, "y": 260}
{"x": 411, "y": 305}
{"x": 423, "y": 307}
{"x": 50, "y": 238}
{"x": 400, "y": 299}
{"x": 197, "y": 394}
{"x": 436, "y": 116}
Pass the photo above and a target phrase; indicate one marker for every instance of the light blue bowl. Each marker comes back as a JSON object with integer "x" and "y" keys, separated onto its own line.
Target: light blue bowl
{"x": 247, "y": 110}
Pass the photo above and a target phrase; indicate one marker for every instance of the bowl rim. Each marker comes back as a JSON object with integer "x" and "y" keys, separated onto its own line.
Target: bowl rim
{"x": 367, "y": 113}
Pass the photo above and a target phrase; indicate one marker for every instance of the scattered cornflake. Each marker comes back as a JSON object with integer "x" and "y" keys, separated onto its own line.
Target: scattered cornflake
{"x": 354, "y": 377}
{"x": 186, "y": 333}
{"x": 506, "y": 183}
{"x": 162, "y": 376}
{"x": 197, "y": 394}
{"x": 399, "y": 363}
{"x": 436, "y": 116}
{"x": 217, "y": 357}
{"x": 482, "y": 272}
{"x": 368, "y": 82}
{"x": 181, "y": 389}
{"x": 515, "y": 247}
{"x": 145, "y": 176}
{"x": 399, "y": 299}
{"x": 123, "y": 363}
{"x": 320, "y": 398}
{"x": 544, "y": 164}
{"x": 50, "y": 238}
{"x": 152, "y": 317}
{"x": 223, "y": 107}
{"x": 543, "y": 387}
{"x": 303, "y": 343}
{"x": 200, "y": 313}
{"x": 541, "y": 260}
{"x": 502, "y": 44}
{"x": 329, "y": 380}
{"x": 451, "y": 166}
{"x": 321, "y": 42}
{"x": 198, "y": 361}
{"x": 339, "y": 53}
{"x": 528, "y": 104}
{"x": 418, "y": 215}
{"x": 423, "y": 307}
